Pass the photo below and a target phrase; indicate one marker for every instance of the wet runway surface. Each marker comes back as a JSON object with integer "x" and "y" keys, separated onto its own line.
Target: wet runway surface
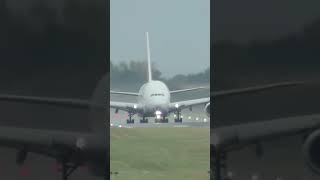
{"x": 159, "y": 125}
{"x": 195, "y": 118}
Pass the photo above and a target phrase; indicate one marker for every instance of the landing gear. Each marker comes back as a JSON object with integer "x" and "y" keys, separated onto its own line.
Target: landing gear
{"x": 68, "y": 169}
{"x": 144, "y": 120}
{"x": 130, "y": 120}
{"x": 67, "y": 166}
{"x": 21, "y": 156}
{"x": 165, "y": 120}
{"x": 178, "y": 118}
{"x": 162, "y": 120}
{"x": 218, "y": 160}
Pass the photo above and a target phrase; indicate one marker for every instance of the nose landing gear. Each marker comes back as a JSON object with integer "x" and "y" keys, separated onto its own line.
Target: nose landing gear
{"x": 162, "y": 120}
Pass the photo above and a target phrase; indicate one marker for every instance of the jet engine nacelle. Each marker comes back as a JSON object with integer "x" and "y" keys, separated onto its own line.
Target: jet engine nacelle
{"x": 207, "y": 109}
{"x": 311, "y": 149}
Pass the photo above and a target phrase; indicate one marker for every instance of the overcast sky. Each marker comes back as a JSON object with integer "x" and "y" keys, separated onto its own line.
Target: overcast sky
{"x": 179, "y": 33}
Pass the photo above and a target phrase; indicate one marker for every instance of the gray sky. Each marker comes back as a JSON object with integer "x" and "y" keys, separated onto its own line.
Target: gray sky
{"x": 179, "y": 32}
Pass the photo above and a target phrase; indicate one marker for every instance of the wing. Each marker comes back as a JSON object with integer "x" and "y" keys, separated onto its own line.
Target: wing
{"x": 124, "y": 106}
{"x": 77, "y": 103}
{"x": 55, "y": 144}
{"x": 188, "y": 103}
{"x": 255, "y": 88}
{"x": 185, "y": 90}
{"x": 237, "y": 136}
{"x": 124, "y": 93}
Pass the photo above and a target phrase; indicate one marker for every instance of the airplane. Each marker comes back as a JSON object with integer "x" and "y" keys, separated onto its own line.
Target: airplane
{"x": 154, "y": 99}
{"x": 74, "y": 149}
{"x": 70, "y": 149}
{"x": 224, "y": 140}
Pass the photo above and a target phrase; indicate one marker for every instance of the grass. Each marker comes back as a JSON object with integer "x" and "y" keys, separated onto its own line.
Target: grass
{"x": 160, "y": 153}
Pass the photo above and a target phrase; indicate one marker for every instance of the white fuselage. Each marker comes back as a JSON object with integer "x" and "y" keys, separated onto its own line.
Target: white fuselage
{"x": 154, "y": 97}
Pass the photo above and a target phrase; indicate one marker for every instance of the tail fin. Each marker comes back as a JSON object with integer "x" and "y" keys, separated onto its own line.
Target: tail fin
{"x": 149, "y": 61}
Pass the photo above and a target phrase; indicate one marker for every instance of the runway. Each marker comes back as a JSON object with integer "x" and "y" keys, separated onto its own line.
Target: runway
{"x": 160, "y": 125}
{"x": 195, "y": 118}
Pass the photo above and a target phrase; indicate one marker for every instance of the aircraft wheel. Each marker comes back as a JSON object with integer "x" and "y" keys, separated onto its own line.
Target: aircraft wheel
{"x": 164, "y": 120}
{"x": 130, "y": 121}
{"x": 143, "y": 121}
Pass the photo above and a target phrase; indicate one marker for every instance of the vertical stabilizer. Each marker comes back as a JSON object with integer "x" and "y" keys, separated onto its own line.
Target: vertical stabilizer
{"x": 149, "y": 61}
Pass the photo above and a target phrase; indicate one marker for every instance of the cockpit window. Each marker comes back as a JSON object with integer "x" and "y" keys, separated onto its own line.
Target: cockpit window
{"x": 159, "y": 94}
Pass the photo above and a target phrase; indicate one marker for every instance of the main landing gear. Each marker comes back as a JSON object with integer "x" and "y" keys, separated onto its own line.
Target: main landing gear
{"x": 68, "y": 169}
{"x": 68, "y": 166}
{"x": 219, "y": 165}
{"x": 178, "y": 118}
{"x": 144, "y": 120}
{"x": 130, "y": 120}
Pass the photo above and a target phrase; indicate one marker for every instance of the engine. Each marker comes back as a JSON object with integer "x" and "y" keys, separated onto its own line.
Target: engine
{"x": 311, "y": 149}
{"x": 207, "y": 109}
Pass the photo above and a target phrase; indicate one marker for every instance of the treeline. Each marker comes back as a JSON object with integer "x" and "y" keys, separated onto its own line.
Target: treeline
{"x": 134, "y": 74}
